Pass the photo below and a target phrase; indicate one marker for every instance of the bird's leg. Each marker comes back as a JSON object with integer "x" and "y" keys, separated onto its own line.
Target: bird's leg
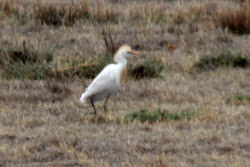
{"x": 93, "y": 105}
{"x": 105, "y": 105}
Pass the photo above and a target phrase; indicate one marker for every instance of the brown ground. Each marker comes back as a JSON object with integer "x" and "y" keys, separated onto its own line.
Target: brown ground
{"x": 42, "y": 123}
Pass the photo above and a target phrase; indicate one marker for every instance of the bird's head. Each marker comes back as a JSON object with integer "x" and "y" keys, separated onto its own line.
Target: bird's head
{"x": 125, "y": 51}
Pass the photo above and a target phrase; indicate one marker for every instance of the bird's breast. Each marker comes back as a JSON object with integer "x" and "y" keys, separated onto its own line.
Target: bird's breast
{"x": 123, "y": 75}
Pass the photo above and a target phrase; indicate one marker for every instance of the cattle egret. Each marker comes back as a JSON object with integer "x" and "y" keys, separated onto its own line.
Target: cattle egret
{"x": 109, "y": 79}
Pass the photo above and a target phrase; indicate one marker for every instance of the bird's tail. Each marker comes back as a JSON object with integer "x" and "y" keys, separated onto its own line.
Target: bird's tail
{"x": 83, "y": 98}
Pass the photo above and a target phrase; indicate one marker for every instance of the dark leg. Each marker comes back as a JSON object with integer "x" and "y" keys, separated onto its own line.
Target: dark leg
{"x": 105, "y": 105}
{"x": 93, "y": 105}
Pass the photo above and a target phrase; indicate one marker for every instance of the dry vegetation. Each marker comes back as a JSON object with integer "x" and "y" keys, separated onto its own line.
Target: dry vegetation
{"x": 186, "y": 101}
{"x": 237, "y": 20}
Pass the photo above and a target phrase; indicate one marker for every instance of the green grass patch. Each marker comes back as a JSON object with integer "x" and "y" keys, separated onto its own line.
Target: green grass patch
{"x": 78, "y": 68}
{"x": 224, "y": 59}
{"x": 146, "y": 69}
{"x": 24, "y": 63}
{"x": 158, "y": 115}
{"x": 239, "y": 100}
{"x": 83, "y": 68}
{"x": 34, "y": 71}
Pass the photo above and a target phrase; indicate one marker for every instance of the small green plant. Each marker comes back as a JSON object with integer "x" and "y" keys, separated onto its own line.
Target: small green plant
{"x": 148, "y": 68}
{"x": 224, "y": 59}
{"x": 158, "y": 115}
{"x": 239, "y": 100}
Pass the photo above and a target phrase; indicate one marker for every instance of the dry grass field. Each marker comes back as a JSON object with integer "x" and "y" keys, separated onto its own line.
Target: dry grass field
{"x": 185, "y": 102}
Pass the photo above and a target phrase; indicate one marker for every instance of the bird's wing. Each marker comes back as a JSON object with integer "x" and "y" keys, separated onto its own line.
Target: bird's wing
{"x": 104, "y": 81}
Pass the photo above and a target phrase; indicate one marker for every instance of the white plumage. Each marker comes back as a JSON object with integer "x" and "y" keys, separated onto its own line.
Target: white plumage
{"x": 105, "y": 84}
{"x": 108, "y": 81}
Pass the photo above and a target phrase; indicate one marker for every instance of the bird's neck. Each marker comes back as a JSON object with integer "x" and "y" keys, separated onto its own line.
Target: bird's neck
{"x": 121, "y": 61}
{"x": 123, "y": 70}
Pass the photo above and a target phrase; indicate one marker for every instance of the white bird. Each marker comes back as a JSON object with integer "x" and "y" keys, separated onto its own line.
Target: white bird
{"x": 108, "y": 81}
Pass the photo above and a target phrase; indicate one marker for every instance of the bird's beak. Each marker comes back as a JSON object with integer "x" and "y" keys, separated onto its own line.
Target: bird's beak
{"x": 135, "y": 53}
